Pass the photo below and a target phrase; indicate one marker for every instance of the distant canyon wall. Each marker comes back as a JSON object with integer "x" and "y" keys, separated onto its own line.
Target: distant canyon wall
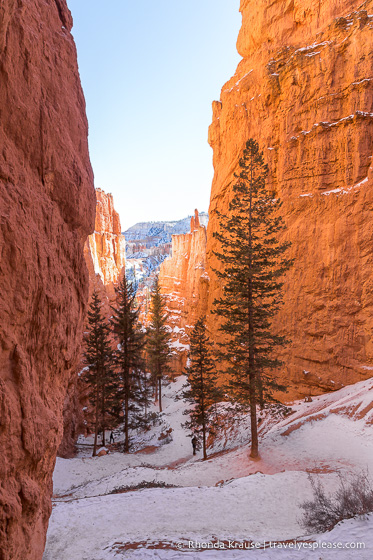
{"x": 105, "y": 256}
{"x": 47, "y": 209}
{"x": 184, "y": 283}
{"x": 106, "y": 247}
{"x": 304, "y": 91}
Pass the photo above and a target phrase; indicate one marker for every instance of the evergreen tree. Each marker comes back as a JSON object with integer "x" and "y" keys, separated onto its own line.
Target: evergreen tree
{"x": 128, "y": 401}
{"x": 201, "y": 389}
{"x": 253, "y": 262}
{"x": 144, "y": 399}
{"x": 158, "y": 340}
{"x": 98, "y": 356}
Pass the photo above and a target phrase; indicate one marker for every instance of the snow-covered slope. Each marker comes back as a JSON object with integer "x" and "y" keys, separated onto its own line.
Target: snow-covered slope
{"x": 99, "y": 514}
{"x": 161, "y": 230}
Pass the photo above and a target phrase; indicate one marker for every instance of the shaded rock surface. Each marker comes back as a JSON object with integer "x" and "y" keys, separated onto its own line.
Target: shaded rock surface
{"x": 47, "y": 204}
{"x": 304, "y": 90}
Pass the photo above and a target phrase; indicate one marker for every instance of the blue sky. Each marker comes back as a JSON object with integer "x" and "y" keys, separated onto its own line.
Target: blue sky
{"x": 150, "y": 70}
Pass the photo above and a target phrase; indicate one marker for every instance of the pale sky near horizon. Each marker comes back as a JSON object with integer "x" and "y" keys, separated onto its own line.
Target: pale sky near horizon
{"x": 150, "y": 71}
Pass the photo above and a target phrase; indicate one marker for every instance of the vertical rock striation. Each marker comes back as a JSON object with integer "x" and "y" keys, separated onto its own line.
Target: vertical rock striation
{"x": 304, "y": 90}
{"x": 47, "y": 205}
{"x": 184, "y": 282}
{"x": 107, "y": 245}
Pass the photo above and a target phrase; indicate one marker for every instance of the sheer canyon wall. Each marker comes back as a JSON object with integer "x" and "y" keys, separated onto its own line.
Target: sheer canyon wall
{"x": 106, "y": 247}
{"x": 47, "y": 209}
{"x": 304, "y": 91}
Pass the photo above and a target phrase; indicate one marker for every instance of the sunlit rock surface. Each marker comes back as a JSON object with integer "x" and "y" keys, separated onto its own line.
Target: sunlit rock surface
{"x": 184, "y": 282}
{"x": 304, "y": 91}
{"x": 107, "y": 244}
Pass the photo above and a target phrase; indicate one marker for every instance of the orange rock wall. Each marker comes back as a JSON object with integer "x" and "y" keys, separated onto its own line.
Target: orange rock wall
{"x": 184, "y": 282}
{"x": 47, "y": 208}
{"x": 107, "y": 245}
{"x": 304, "y": 90}
{"x": 268, "y": 26}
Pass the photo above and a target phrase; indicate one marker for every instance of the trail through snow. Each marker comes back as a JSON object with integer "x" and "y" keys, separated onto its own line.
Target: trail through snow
{"x": 226, "y": 498}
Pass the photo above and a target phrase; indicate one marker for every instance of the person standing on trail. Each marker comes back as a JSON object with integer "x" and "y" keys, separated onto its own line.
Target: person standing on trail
{"x": 194, "y": 443}
{"x": 111, "y": 437}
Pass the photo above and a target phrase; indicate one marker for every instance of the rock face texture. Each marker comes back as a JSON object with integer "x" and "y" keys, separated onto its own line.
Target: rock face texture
{"x": 47, "y": 208}
{"x": 184, "y": 282}
{"x": 304, "y": 91}
{"x": 104, "y": 253}
{"x": 107, "y": 245}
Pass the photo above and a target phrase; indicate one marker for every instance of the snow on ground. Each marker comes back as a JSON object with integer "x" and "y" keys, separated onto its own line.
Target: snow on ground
{"x": 102, "y": 510}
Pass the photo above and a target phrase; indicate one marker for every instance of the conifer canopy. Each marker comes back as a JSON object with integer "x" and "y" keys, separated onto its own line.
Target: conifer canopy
{"x": 253, "y": 262}
{"x": 158, "y": 340}
{"x": 129, "y": 399}
{"x": 201, "y": 390}
{"x": 98, "y": 375}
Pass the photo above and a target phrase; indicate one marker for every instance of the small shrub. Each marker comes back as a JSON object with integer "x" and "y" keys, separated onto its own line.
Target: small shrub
{"x": 353, "y": 498}
{"x": 154, "y": 419}
{"x": 141, "y": 485}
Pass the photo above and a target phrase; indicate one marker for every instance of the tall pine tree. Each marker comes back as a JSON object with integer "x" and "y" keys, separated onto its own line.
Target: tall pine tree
{"x": 99, "y": 359}
{"x": 253, "y": 261}
{"x": 128, "y": 402}
{"x": 158, "y": 340}
{"x": 201, "y": 389}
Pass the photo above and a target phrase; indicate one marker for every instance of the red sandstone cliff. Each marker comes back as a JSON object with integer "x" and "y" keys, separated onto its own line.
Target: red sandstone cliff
{"x": 104, "y": 253}
{"x": 184, "y": 282}
{"x": 47, "y": 206}
{"x": 107, "y": 246}
{"x": 304, "y": 90}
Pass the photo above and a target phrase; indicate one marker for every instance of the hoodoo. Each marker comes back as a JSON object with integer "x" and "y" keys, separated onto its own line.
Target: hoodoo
{"x": 184, "y": 282}
{"x": 47, "y": 210}
{"x": 106, "y": 247}
{"x": 304, "y": 91}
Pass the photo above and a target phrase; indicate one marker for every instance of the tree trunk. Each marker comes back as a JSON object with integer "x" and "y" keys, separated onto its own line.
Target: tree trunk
{"x": 96, "y": 422}
{"x": 160, "y": 393}
{"x": 156, "y": 391}
{"x": 254, "y": 453}
{"x": 146, "y": 398}
{"x": 251, "y": 373}
{"x": 204, "y": 440}
{"x": 260, "y": 389}
{"x": 203, "y": 415}
{"x": 126, "y": 403}
{"x": 103, "y": 416}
